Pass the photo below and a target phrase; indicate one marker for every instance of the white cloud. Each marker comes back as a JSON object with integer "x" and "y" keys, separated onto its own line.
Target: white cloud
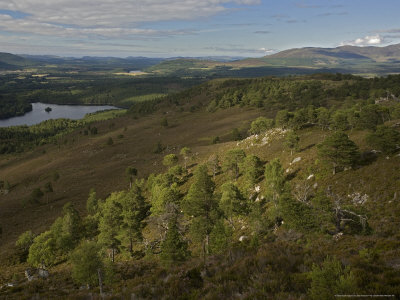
{"x": 266, "y": 51}
{"x": 370, "y": 40}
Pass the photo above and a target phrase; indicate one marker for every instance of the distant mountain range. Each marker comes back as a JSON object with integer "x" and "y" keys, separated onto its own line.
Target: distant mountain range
{"x": 326, "y": 57}
{"x": 347, "y": 59}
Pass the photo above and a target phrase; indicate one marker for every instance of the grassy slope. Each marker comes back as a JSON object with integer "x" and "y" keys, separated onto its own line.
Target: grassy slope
{"x": 88, "y": 163}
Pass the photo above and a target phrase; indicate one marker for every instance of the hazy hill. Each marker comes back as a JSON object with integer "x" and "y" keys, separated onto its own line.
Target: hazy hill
{"x": 388, "y": 53}
{"x": 10, "y": 61}
{"x": 92, "y": 62}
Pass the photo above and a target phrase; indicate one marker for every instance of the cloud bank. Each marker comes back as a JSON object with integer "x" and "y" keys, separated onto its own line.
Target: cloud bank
{"x": 108, "y": 18}
{"x": 370, "y": 40}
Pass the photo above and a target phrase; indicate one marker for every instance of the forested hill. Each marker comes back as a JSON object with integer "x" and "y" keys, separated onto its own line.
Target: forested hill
{"x": 275, "y": 93}
{"x": 270, "y": 188}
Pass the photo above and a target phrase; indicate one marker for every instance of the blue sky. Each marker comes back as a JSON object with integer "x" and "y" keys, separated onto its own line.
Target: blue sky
{"x": 169, "y": 28}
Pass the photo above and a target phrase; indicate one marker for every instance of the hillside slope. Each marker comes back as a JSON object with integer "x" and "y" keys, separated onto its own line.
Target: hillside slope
{"x": 286, "y": 227}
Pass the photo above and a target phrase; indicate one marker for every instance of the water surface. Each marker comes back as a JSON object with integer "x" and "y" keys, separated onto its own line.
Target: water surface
{"x": 38, "y": 113}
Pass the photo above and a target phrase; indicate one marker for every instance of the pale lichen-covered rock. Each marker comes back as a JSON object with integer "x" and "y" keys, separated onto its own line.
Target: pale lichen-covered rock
{"x": 297, "y": 159}
{"x": 337, "y": 236}
{"x": 358, "y": 199}
{"x": 243, "y": 238}
{"x": 262, "y": 139}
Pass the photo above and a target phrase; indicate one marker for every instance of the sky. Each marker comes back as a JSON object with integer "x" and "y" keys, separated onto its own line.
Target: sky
{"x": 171, "y": 28}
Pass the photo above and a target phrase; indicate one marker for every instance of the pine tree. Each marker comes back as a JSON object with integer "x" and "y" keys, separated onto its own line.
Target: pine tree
{"x": 110, "y": 221}
{"x": 282, "y": 118}
{"x": 339, "y": 121}
{"x": 214, "y": 163}
{"x": 170, "y": 160}
{"x": 292, "y": 141}
{"x": 71, "y": 222}
{"x": 339, "y": 150}
{"x": 233, "y": 159}
{"x": 323, "y": 117}
{"x": 86, "y": 263}
{"x": 236, "y": 136}
{"x": 232, "y": 202}
{"x": 252, "y": 169}
{"x": 162, "y": 196}
{"x": 134, "y": 211}
{"x": 164, "y": 122}
{"x": 221, "y": 237}
{"x": 173, "y": 248}
{"x": 43, "y": 250}
{"x": 130, "y": 172}
{"x": 386, "y": 139}
{"x": 23, "y": 243}
{"x": 36, "y": 195}
{"x": 274, "y": 180}
{"x": 200, "y": 203}
{"x": 92, "y": 203}
{"x": 260, "y": 125}
{"x": 331, "y": 279}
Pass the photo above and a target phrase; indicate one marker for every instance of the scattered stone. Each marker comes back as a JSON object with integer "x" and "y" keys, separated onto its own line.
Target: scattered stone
{"x": 358, "y": 199}
{"x": 315, "y": 185}
{"x": 288, "y": 170}
{"x": 43, "y": 273}
{"x": 387, "y": 157}
{"x": 262, "y": 139}
{"x": 297, "y": 159}
{"x": 257, "y": 189}
{"x": 29, "y": 275}
{"x": 243, "y": 238}
{"x": 310, "y": 177}
{"x": 337, "y": 236}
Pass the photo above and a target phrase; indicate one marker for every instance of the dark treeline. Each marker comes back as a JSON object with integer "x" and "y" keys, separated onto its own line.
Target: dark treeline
{"x": 10, "y": 106}
{"x": 17, "y": 92}
{"x": 21, "y": 138}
